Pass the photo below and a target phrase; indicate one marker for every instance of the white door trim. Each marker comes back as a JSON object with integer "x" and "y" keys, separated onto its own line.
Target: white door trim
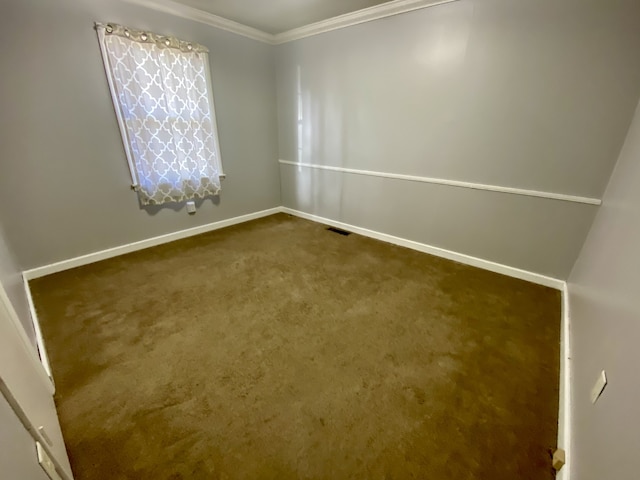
{"x": 27, "y": 388}
{"x": 32, "y": 354}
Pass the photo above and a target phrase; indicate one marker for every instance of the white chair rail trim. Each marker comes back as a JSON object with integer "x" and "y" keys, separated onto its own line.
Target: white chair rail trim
{"x": 452, "y": 183}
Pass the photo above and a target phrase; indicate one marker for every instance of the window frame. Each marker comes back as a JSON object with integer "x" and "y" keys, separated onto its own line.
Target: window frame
{"x": 120, "y": 115}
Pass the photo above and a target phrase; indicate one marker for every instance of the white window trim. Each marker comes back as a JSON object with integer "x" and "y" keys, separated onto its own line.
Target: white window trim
{"x": 116, "y": 105}
{"x": 214, "y": 118}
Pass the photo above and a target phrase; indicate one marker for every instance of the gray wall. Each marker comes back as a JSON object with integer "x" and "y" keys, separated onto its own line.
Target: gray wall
{"x": 605, "y": 328}
{"x": 535, "y": 95}
{"x": 65, "y": 186}
{"x": 11, "y": 281}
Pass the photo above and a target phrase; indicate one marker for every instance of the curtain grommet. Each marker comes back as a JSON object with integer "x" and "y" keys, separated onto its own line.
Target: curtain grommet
{"x": 108, "y": 29}
{"x": 127, "y": 34}
{"x": 144, "y": 37}
{"x": 167, "y": 42}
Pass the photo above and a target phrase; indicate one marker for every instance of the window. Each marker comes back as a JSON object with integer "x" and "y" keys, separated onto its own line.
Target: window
{"x": 162, "y": 95}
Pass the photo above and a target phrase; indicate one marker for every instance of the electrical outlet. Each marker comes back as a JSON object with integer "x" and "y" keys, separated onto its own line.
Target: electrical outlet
{"x": 598, "y": 388}
{"x": 46, "y": 463}
{"x": 191, "y": 207}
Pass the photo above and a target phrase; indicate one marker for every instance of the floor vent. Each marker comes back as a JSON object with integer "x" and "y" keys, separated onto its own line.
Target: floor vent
{"x": 337, "y": 230}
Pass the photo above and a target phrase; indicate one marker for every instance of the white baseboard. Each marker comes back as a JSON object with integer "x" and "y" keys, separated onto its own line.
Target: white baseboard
{"x": 437, "y": 251}
{"x": 114, "y": 252}
{"x": 142, "y": 244}
{"x": 170, "y": 237}
{"x": 564, "y": 411}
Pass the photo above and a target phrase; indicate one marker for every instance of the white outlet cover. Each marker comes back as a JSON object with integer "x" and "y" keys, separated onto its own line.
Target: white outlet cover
{"x": 597, "y": 389}
{"x": 191, "y": 206}
{"x": 45, "y": 462}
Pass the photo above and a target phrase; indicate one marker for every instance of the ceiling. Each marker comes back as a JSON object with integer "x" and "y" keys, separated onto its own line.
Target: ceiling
{"x": 277, "y": 16}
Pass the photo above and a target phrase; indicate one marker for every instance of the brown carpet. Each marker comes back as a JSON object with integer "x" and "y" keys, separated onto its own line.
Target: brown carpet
{"x": 276, "y": 349}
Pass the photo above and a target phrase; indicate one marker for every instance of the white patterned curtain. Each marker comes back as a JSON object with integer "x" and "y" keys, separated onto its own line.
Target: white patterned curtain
{"x": 162, "y": 95}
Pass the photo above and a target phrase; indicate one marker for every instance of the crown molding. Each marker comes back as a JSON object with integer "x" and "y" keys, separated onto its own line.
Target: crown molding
{"x": 190, "y": 13}
{"x": 388, "y": 9}
{"x": 369, "y": 14}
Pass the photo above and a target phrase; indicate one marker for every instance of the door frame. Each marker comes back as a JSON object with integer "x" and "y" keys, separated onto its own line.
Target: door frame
{"x": 32, "y": 353}
{"x": 28, "y": 389}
